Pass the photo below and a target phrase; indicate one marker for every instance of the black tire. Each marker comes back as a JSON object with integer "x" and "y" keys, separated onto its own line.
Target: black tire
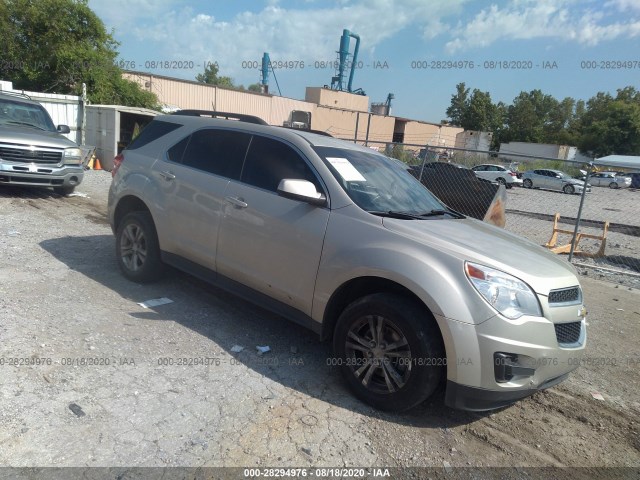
{"x": 407, "y": 374}
{"x": 569, "y": 189}
{"x": 64, "y": 191}
{"x": 137, "y": 248}
{"x": 613, "y": 185}
{"x": 527, "y": 183}
{"x": 501, "y": 181}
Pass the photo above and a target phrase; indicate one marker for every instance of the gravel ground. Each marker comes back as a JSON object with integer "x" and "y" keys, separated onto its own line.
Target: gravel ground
{"x": 101, "y": 383}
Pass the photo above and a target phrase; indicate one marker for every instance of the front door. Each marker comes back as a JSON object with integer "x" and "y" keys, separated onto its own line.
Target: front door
{"x": 268, "y": 242}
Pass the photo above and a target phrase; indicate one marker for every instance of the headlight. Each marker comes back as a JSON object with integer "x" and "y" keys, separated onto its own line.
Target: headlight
{"x": 506, "y": 293}
{"x": 72, "y": 156}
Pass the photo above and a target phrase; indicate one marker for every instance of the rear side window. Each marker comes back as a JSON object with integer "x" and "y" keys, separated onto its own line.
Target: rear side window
{"x": 220, "y": 152}
{"x": 270, "y": 161}
{"x": 176, "y": 152}
{"x": 151, "y": 132}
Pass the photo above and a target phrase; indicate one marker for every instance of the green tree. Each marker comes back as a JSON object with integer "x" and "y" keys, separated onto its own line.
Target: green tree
{"x": 255, "y": 87}
{"x": 529, "y": 117}
{"x": 210, "y": 77}
{"x": 480, "y": 113}
{"x": 56, "y": 45}
{"x": 458, "y": 105}
{"x": 611, "y": 125}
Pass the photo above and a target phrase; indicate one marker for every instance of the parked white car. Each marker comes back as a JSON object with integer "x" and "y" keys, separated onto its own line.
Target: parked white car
{"x": 610, "y": 179}
{"x": 497, "y": 173}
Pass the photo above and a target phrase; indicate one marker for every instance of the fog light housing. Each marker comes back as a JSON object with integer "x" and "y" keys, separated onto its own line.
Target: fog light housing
{"x": 505, "y": 367}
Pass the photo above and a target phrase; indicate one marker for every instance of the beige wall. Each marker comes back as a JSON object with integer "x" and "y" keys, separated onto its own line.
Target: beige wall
{"x": 339, "y": 122}
{"x": 342, "y": 124}
{"x": 335, "y": 99}
{"x": 422, "y": 133}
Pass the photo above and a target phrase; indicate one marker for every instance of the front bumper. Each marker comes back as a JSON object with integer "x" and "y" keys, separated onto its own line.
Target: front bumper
{"x": 475, "y": 380}
{"x": 41, "y": 175}
{"x": 476, "y": 399}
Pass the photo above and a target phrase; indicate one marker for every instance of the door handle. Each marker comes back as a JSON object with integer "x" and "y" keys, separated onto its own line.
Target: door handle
{"x": 237, "y": 202}
{"x": 167, "y": 175}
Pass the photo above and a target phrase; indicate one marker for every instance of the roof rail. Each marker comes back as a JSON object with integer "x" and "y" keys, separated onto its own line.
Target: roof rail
{"x": 317, "y": 132}
{"x": 15, "y": 94}
{"x": 229, "y": 116}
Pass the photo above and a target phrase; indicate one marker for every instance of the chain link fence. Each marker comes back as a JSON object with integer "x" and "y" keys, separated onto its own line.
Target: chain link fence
{"x": 597, "y": 228}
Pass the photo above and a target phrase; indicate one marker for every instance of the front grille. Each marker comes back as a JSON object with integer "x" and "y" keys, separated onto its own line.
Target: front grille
{"x": 22, "y": 155}
{"x": 565, "y": 295}
{"x": 568, "y": 333}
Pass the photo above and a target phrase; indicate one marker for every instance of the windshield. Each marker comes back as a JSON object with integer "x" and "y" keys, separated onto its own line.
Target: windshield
{"x": 376, "y": 183}
{"x": 24, "y": 114}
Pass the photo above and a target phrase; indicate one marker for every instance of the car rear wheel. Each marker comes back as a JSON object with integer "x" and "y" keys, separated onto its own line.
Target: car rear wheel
{"x": 527, "y": 183}
{"x": 137, "y": 248}
{"x": 390, "y": 351}
{"x": 569, "y": 189}
{"x": 613, "y": 185}
{"x": 501, "y": 181}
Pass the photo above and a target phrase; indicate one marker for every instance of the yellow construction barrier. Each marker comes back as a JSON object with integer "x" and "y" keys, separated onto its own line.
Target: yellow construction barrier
{"x": 552, "y": 243}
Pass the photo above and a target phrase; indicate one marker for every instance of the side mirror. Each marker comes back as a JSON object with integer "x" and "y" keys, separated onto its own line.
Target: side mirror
{"x": 64, "y": 129}
{"x": 301, "y": 190}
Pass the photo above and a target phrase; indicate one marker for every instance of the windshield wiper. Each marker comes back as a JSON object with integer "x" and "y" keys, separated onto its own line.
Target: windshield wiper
{"x": 415, "y": 216}
{"x": 394, "y": 214}
{"x": 435, "y": 213}
{"x": 26, "y": 124}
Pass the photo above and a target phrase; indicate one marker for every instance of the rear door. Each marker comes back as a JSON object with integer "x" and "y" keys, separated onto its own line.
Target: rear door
{"x": 193, "y": 178}
{"x": 268, "y": 242}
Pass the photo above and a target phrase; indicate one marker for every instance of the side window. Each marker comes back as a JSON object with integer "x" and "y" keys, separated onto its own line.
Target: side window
{"x": 269, "y": 161}
{"x": 151, "y": 132}
{"x": 220, "y": 152}
{"x": 176, "y": 152}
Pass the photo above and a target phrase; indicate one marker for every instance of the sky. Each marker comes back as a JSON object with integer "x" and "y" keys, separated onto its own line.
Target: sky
{"x": 416, "y": 49}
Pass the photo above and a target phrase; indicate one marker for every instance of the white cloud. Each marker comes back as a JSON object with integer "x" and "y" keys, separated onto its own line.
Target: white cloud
{"x": 529, "y": 19}
{"x": 623, "y": 5}
{"x": 307, "y": 34}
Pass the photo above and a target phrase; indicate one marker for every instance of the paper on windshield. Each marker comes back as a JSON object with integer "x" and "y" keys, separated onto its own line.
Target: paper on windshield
{"x": 346, "y": 170}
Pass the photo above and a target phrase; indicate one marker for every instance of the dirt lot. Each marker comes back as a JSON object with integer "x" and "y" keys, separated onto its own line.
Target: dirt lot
{"x": 86, "y": 346}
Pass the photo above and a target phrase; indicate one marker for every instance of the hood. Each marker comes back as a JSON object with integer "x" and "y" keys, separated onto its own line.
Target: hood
{"x": 573, "y": 181}
{"x": 33, "y": 137}
{"x": 479, "y": 242}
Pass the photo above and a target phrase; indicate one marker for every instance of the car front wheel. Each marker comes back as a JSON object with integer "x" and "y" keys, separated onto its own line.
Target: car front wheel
{"x": 569, "y": 189}
{"x": 613, "y": 185}
{"x": 390, "y": 351}
{"x": 137, "y": 248}
{"x": 527, "y": 183}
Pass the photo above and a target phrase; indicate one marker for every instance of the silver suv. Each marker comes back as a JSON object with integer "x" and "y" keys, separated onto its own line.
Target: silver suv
{"x": 343, "y": 240}
{"x": 32, "y": 150}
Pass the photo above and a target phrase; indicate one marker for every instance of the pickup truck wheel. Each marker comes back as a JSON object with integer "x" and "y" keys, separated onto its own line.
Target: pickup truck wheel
{"x": 64, "y": 191}
{"x": 527, "y": 183}
{"x": 390, "y": 351}
{"x": 137, "y": 248}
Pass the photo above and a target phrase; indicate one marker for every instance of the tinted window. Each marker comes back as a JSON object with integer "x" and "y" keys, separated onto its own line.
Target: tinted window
{"x": 151, "y": 132}
{"x": 216, "y": 151}
{"x": 176, "y": 152}
{"x": 270, "y": 161}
